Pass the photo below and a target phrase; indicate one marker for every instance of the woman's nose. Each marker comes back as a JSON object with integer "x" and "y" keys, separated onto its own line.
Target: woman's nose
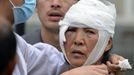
{"x": 79, "y": 39}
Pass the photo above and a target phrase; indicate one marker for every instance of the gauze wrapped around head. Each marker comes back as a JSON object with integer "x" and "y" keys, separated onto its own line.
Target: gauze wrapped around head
{"x": 90, "y": 14}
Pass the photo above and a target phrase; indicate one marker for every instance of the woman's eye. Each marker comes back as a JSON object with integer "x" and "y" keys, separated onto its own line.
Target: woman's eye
{"x": 71, "y": 29}
{"x": 90, "y": 32}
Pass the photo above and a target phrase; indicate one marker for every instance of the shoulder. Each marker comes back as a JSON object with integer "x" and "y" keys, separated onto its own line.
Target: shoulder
{"x": 49, "y": 51}
{"x": 26, "y": 49}
{"x": 46, "y": 47}
{"x": 50, "y": 61}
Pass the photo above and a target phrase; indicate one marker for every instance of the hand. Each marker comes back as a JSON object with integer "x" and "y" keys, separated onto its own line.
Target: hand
{"x": 88, "y": 70}
{"x": 113, "y": 68}
{"x": 113, "y": 63}
{"x": 114, "y": 58}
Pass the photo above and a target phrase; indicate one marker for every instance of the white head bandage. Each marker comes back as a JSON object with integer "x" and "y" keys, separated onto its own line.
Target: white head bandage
{"x": 90, "y": 14}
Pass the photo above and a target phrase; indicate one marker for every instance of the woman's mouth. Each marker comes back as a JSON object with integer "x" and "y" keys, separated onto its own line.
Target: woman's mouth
{"x": 77, "y": 54}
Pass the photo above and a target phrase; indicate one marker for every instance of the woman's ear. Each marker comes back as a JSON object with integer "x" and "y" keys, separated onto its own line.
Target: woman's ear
{"x": 109, "y": 45}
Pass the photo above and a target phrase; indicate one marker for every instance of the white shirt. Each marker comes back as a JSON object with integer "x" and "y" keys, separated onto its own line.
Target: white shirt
{"x": 40, "y": 59}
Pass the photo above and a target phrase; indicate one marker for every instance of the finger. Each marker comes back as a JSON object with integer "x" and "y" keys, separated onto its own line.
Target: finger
{"x": 114, "y": 58}
{"x": 109, "y": 64}
{"x": 113, "y": 67}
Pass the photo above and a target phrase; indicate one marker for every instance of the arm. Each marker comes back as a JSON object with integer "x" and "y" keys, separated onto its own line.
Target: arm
{"x": 114, "y": 58}
{"x": 114, "y": 61}
{"x": 96, "y": 69}
{"x": 88, "y": 70}
{"x": 113, "y": 64}
{"x": 114, "y": 69}
{"x": 40, "y": 59}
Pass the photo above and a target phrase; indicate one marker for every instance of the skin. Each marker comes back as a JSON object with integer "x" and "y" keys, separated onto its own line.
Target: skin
{"x": 50, "y": 12}
{"x": 18, "y": 2}
{"x": 79, "y": 44}
{"x": 6, "y": 9}
{"x": 88, "y": 70}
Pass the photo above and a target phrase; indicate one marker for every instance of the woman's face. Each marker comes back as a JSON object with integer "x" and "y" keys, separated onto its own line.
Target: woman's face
{"x": 79, "y": 44}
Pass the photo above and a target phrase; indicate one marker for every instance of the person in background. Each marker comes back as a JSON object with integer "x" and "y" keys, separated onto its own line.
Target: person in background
{"x": 13, "y": 9}
{"x": 7, "y": 48}
{"x": 50, "y": 12}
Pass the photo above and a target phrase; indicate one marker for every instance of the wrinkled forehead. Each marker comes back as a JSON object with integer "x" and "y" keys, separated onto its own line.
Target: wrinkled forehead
{"x": 92, "y": 14}
{"x": 81, "y": 28}
{"x": 80, "y": 25}
{"x": 83, "y": 23}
